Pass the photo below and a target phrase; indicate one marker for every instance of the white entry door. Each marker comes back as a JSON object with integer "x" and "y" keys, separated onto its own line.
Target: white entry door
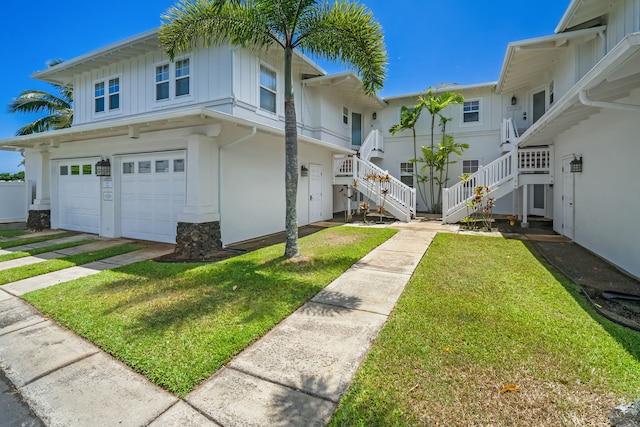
{"x": 78, "y": 195}
{"x": 567, "y": 197}
{"x": 315, "y": 193}
{"x": 152, "y": 195}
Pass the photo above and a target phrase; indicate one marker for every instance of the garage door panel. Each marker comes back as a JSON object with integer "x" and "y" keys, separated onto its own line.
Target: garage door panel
{"x": 78, "y": 196}
{"x": 152, "y": 199}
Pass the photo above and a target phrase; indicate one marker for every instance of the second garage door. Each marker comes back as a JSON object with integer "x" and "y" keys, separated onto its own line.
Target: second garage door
{"x": 78, "y": 196}
{"x": 153, "y": 195}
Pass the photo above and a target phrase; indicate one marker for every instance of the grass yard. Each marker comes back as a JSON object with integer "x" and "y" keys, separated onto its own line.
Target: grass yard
{"x": 480, "y": 314}
{"x": 5, "y": 234}
{"x": 44, "y": 249}
{"x": 179, "y": 323}
{"x": 32, "y": 270}
{"x": 29, "y": 240}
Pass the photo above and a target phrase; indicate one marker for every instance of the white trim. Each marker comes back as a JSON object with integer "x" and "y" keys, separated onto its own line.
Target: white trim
{"x": 107, "y": 112}
{"x": 275, "y": 92}
{"x": 172, "y": 99}
{"x": 462, "y": 113}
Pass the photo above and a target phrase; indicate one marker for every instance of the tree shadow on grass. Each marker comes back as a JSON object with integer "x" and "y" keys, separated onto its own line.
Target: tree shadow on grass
{"x": 629, "y": 339}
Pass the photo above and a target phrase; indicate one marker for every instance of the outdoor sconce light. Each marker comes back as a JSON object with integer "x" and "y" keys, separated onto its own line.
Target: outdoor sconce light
{"x": 304, "y": 171}
{"x": 374, "y": 116}
{"x": 103, "y": 168}
{"x": 514, "y": 100}
{"x": 576, "y": 165}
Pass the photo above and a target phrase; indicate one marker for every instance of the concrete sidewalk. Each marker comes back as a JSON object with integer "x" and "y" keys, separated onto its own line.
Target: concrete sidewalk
{"x": 294, "y": 375}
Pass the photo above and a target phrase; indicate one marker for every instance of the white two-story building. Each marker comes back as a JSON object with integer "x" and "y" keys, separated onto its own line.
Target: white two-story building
{"x": 196, "y": 146}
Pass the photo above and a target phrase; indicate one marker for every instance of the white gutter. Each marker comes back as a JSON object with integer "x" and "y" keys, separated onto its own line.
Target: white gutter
{"x": 582, "y": 95}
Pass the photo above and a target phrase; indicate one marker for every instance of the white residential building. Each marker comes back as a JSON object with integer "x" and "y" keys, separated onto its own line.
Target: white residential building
{"x": 196, "y": 145}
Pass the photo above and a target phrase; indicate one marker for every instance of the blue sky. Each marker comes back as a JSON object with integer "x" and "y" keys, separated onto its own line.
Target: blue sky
{"x": 429, "y": 41}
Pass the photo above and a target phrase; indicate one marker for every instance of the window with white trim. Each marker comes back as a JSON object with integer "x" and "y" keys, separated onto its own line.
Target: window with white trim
{"x": 106, "y": 95}
{"x": 268, "y": 87}
{"x": 470, "y": 166}
{"x": 406, "y": 173}
{"x": 471, "y": 111}
{"x": 173, "y": 80}
{"x": 345, "y": 115}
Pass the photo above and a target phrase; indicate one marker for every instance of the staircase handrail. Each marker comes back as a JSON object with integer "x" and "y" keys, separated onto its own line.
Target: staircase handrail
{"x": 493, "y": 175}
{"x": 373, "y": 142}
{"x": 509, "y": 132}
{"x": 399, "y": 194}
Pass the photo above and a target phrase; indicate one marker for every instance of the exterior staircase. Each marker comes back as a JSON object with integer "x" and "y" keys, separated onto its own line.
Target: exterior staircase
{"x": 520, "y": 166}
{"x": 358, "y": 173}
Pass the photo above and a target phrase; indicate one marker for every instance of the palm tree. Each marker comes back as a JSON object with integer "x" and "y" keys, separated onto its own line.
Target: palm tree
{"x": 58, "y": 108}
{"x": 342, "y": 31}
{"x": 435, "y": 104}
{"x": 408, "y": 120}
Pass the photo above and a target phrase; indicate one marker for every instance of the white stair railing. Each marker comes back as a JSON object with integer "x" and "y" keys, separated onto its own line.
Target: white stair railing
{"x": 503, "y": 170}
{"x": 399, "y": 200}
{"x": 374, "y": 142}
{"x": 509, "y": 133}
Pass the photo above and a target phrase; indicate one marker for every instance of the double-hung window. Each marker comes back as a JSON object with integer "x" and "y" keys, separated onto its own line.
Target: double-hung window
{"x": 173, "y": 80}
{"x": 268, "y": 85}
{"x": 406, "y": 173}
{"x": 106, "y": 95}
{"x": 471, "y": 111}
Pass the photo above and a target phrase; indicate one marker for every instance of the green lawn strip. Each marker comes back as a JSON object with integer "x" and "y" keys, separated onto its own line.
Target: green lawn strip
{"x": 179, "y": 323}
{"x": 26, "y": 271}
{"x": 38, "y": 239}
{"x": 478, "y": 314}
{"x": 45, "y": 249}
{"x": 5, "y": 234}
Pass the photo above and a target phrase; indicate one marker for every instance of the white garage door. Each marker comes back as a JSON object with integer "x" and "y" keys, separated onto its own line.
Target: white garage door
{"x": 153, "y": 195}
{"x": 79, "y": 196}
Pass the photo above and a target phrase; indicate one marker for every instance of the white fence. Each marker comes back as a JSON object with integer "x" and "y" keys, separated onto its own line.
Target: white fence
{"x": 15, "y": 198}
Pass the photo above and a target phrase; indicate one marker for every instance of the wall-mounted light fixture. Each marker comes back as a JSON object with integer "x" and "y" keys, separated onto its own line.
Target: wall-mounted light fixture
{"x": 304, "y": 171}
{"x": 576, "y": 164}
{"x": 103, "y": 168}
{"x": 514, "y": 100}
{"x": 374, "y": 116}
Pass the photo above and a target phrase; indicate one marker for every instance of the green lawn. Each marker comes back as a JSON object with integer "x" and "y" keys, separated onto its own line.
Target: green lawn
{"x": 5, "y": 234}
{"x": 32, "y": 270}
{"x": 482, "y": 313}
{"x": 44, "y": 249}
{"x": 29, "y": 240}
{"x": 179, "y": 323}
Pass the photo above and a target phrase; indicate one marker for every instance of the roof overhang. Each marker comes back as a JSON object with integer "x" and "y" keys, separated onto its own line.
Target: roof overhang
{"x": 612, "y": 79}
{"x": 349, "y": 85}
{"x": 580, "y": 11}
{"x": 151, "y": 122}
{"x": 63, "y": 73}
{"x": 445, "y": 87}
{"x": 526, "y": 60}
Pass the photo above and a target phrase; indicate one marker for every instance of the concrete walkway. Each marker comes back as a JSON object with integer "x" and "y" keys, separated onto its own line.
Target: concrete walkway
{"x": 294, "y": 375}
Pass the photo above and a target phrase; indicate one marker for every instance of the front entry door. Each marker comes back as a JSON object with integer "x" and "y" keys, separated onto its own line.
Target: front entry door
{"x": 315, "y": 193}
{"x": 356, "y": 129}
{"x": 567, "y": 197}
{"x": 539, "y": 105}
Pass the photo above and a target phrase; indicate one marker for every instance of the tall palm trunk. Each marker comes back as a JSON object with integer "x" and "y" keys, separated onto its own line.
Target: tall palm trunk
{"x": 291, "y": 160}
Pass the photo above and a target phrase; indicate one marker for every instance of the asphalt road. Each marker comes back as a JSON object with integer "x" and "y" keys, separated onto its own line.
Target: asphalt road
{"x": 13, "y": 411}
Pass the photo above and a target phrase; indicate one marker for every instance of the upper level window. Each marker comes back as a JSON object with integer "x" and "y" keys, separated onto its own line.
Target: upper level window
{"x": 471, "y": 111}
{"x": 267, "y": 89}
{"x": 345, "y": 115}
{"x": 173, "y": 80}
{"x": 182, "y": 77}
{"x": 107, "y": 95}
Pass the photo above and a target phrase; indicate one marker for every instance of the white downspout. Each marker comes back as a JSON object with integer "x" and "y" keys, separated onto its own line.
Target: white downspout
{"x": 582, "y": 95}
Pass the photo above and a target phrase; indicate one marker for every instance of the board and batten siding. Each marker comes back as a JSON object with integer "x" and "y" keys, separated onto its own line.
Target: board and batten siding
{"x": 210, "y": 74}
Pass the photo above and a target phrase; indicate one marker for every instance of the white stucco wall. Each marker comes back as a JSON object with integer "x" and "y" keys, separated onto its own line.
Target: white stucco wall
{"x": 606, "y": 202}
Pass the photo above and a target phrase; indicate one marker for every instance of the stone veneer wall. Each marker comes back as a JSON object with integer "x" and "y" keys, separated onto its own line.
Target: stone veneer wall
{"x": 39, "y": 220}
{"x": 197, "y": 241}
